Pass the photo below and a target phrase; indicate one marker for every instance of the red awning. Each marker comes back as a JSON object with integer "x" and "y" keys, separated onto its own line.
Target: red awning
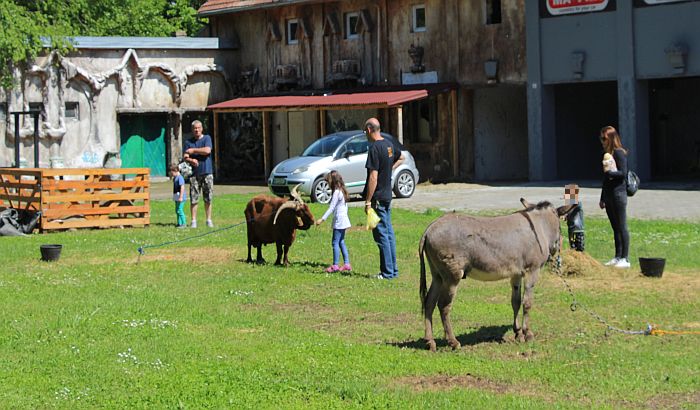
{"x": 328, "y": 102}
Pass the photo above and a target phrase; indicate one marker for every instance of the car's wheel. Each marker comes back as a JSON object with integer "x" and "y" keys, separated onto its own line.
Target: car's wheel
{"x": 405, "y": 184}
{"x": 321, "y": 191}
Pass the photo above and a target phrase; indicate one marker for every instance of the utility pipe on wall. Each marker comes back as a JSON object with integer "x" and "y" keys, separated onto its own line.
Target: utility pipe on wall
{"x": 36, "y": 140}
{"x": 16, "y": 139}
{"x": 35, "y": 114}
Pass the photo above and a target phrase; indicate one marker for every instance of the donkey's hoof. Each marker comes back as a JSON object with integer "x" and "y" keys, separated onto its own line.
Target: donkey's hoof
{"x": 520, "y": 337}
{"x": 454, "y": 344}
{"x": 430, "y": 345}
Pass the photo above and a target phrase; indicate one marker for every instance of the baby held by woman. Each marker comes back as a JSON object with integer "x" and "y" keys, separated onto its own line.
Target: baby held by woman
{"x": 609, "y": 163}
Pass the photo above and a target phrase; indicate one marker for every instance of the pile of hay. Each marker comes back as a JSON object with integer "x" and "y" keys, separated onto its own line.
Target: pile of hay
{"x": 576, "y": 263}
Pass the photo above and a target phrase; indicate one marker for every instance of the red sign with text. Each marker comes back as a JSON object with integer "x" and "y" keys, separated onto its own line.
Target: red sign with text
{"x": 557, "y": 7}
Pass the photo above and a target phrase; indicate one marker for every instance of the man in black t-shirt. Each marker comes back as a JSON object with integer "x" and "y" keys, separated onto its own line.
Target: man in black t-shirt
{"x": 382, "y": 158}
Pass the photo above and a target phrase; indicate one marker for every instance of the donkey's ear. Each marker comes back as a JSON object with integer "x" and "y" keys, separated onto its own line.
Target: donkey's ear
{"x": 564, "y": 210}
{"x": 525, "y": 203}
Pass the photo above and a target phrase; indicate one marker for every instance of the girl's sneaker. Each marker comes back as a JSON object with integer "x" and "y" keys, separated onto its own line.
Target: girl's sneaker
{"x": 332, "y": 268}
{"x": 346, "y": 268}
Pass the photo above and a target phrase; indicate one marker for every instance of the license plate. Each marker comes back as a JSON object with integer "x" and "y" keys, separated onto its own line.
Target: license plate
{"x": 279, "y": 181}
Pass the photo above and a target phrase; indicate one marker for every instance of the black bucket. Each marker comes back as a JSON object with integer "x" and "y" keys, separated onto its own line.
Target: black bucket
{"x": 50, "y": 252}
{"x": 653, "y": 267}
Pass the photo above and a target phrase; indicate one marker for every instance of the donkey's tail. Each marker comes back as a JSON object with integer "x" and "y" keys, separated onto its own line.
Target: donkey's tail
{"x": 423, "y": 290}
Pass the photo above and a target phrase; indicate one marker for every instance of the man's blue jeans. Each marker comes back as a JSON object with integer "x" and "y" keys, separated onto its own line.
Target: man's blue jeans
{"x": 385, "y": 239}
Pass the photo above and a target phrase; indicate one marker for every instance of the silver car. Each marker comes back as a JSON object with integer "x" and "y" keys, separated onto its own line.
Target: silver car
{"x": 345, "y": 152}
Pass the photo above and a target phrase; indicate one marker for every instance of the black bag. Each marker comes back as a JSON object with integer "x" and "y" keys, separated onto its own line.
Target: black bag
{"x": 632, "y": 182}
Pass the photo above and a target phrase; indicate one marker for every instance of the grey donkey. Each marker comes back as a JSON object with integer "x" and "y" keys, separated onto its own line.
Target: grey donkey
{"x": 514, "y": 247}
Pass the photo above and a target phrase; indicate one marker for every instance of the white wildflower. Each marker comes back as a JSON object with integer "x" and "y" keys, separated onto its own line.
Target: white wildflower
{"x": 240, "y": 292}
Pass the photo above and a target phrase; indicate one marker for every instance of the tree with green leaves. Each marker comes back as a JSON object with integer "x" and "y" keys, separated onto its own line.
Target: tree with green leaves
{"x": 27, "y": 24}
{"x": 20, "y": 38}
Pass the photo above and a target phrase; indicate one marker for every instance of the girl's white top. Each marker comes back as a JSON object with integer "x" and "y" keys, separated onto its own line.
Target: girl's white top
{"x": 340, "y": 211}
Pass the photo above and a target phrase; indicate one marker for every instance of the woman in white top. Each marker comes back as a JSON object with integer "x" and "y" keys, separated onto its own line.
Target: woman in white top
{"x": 339, "y": 208}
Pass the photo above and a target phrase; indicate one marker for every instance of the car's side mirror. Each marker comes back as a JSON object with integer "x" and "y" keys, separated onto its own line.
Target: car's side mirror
{"x": 348, "y": 153}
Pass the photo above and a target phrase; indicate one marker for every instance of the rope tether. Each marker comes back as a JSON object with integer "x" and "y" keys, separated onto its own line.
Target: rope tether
{"x": 575, "y": 304}
{"x": 142, "y": 249}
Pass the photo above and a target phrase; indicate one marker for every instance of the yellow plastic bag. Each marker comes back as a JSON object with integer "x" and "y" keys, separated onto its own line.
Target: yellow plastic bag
{"x": 372, "y": 219}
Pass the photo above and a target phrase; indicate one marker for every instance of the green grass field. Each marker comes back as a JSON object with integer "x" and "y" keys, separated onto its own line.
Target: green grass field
{"x": 193, "y": 326}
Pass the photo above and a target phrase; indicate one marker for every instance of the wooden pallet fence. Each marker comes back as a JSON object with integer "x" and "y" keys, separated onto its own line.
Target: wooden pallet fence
{"x": 77, "y": 197}
{"x": 19, "y": 189}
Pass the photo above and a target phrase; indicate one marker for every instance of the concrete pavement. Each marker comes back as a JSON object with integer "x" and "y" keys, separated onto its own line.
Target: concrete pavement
{"x": 674, "y": 200}
{"x": 656, "y": 201}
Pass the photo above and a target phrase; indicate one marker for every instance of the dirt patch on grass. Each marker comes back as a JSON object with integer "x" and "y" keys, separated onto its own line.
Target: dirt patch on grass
{"x": 666, "y": 401}
{"x": 669, "y": 281}
{"x": 584, "y": 272}
{"x": 612, "y": 279}
{"x": 356, "y": 228}
{"x": 674, "y": 401}
{"x": 467, "y": 381}
{"x": 195, "y": 256}
{"x": 314, "y": 309}
{"x": 356, "y": 325}
{"x": 323, "y": 317}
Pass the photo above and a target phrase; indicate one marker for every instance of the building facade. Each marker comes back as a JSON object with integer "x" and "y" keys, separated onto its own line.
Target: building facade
{"x": 632, "y": 64}
{"x": 111, "y": 100}
{"x": 468, "y": 55}
{"x": 495, "y": 110}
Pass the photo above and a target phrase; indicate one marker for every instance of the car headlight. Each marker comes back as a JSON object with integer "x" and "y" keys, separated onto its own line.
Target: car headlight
{"x": 300, "y": 170}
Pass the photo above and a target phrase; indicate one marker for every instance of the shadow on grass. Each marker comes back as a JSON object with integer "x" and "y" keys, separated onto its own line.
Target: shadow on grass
{"x": 303, "y": 264}
{"x": 164, "y": 224}
{"x": 309, "y": 264}
{"x": 485, "y": 334}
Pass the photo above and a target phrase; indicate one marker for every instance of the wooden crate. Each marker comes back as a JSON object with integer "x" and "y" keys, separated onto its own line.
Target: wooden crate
{"x": 78, "y": 198}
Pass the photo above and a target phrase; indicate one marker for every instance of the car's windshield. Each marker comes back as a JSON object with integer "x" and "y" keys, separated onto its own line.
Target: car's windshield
{"x": 324, "y": 147}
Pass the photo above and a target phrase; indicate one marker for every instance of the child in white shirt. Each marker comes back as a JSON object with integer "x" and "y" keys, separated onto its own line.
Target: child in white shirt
{"x": 341, "y": 222}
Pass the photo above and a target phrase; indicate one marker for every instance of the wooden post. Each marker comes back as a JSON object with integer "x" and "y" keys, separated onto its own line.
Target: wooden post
{"x": 455, "y": 134}
{"x": 322, "y": 121}
{"x": 399, "y": 123}
{"x": 267, "y": 146}
{"x": 216, "y": 143}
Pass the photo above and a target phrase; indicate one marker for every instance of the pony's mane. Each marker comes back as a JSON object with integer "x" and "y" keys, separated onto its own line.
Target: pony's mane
{"x": 540, "y": 205}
